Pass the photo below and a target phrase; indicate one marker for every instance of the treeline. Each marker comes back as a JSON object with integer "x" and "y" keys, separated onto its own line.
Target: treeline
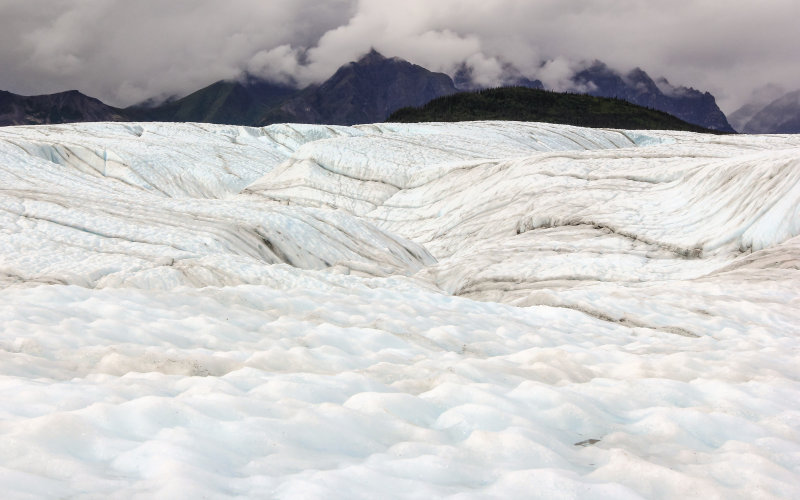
{"x": 526, "y": 104}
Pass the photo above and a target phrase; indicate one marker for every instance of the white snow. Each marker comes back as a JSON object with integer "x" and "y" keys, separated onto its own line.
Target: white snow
{"x": 502, "y": 310}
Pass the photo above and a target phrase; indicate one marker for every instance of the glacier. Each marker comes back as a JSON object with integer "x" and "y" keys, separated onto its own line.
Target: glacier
{"x": 465, "y": 310}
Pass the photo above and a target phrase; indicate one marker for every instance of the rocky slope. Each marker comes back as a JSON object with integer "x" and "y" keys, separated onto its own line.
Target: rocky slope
{"x": 365, "y": 91}
{"x": 70, "y": 106}
{"x": 238, "y": 102}
{"x": 688, "y": 104}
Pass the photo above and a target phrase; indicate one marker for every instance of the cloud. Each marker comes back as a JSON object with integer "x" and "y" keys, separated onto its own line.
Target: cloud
{"x": 555, "y": 74}
{"x": 765, "y": 94}
{"x": 281, "y": 64}
{"x": 125, "y": 51}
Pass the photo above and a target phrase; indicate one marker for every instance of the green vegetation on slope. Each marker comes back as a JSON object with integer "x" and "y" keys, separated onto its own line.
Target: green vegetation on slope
{"x": 231, "y": 102}
{"x": 526, "y": 104}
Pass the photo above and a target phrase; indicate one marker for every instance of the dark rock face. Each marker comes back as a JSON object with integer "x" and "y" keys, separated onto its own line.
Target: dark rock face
{"x": 688, "y": 104}
{"x": 64, "y": 107}
{"x": 365, "y": 91}
{"x": 781, "y": 116}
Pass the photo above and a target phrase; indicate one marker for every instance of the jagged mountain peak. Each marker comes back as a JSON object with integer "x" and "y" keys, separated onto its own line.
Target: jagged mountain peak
{"x": 636, "y": 86}
{"x": 639, "y": 73}
{"x": 372, "y": 57}
{"x": 365, "y": 91}
{"x": 374, "y": 60}
{"x": 641, "y": 81}
{"x": 598, "y": 66}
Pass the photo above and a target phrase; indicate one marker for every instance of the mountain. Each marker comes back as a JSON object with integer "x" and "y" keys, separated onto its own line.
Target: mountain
{"x": 739, "y": 118}
{"x": 759, "y": 99}
{"x": 364, "y": 91}
{"x": 63, "y": 107}
{"x": 688, "y": 104}
{"x": 239, "y": 102}
{"x": 781, "y": 116}
{"x": 464, "y": 78}
{"x": 526, "y": 104}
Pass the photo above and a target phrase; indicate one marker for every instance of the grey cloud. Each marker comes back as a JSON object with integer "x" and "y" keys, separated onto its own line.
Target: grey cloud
{"x": 123, "y": 51}
{"x": 127, "y": 51}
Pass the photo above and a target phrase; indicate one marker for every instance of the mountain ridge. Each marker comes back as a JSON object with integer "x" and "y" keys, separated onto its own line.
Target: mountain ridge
{"x": 367, "y": 90}
{"x": 61, "y": 107}
{"x": 778, "y": 116}
{"x": 234, "y": 102}
{"x": 637, "y": 87}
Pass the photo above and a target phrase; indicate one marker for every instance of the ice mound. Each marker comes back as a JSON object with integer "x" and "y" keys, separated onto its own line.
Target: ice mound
{"x": 361, "y": 171}
{"x": 474, "y": 310}
{"x": 161, "y": 215}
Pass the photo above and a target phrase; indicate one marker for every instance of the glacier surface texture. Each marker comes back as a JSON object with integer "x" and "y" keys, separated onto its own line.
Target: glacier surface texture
{"x": 503, "y": 310}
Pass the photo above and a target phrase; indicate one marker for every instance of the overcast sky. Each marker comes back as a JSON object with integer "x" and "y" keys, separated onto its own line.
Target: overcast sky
{"x": 125, "y": 51}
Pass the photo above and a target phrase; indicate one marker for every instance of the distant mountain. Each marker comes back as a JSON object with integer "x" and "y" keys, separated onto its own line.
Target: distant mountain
{"x": 240, "y": 102}
{"x": 464, "y": 78}
{"x": 758, "y": 100}
{"x": 781, "y": 116}
{"x": 739, "y": 118}
{"x": 688, "y": 104}
{"x": 63, "y": 107}
{"x": 526, "y": 104}
{"x": 364, "y": 91}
